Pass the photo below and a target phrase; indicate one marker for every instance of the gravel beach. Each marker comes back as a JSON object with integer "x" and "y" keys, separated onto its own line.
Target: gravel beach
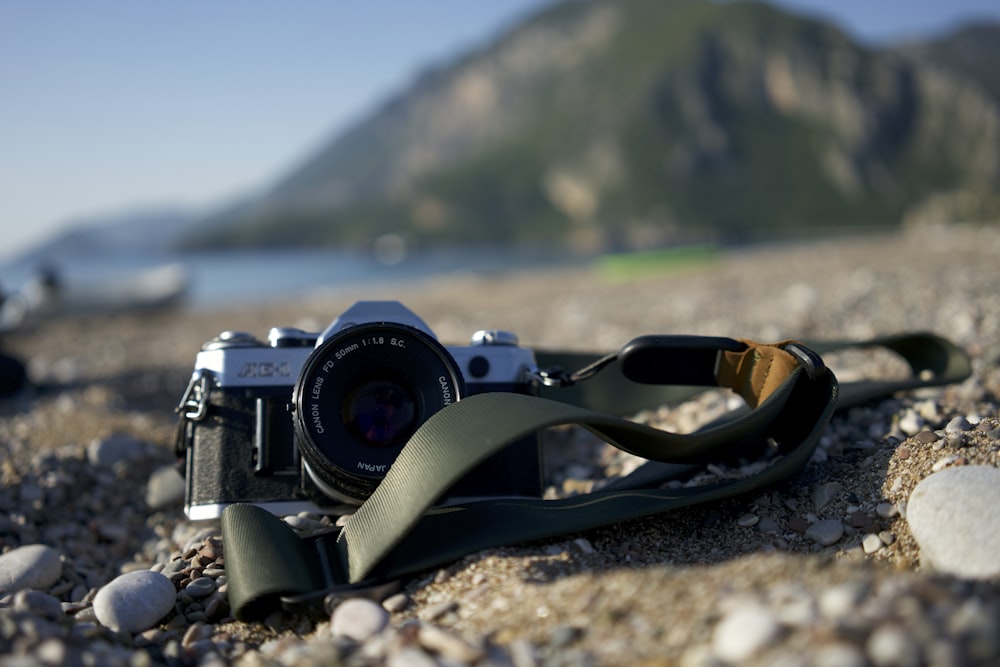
{"x": 881, "y": 552}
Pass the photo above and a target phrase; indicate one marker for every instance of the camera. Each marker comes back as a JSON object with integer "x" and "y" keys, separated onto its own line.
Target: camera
{"x": 312, "y": 422}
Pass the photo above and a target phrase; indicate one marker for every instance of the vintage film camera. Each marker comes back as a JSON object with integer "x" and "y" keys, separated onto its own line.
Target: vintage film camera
{"x": 309, "y": 422}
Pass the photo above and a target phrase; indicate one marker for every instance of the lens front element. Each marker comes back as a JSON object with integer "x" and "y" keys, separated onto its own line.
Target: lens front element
{"x": 360, "y": 397}
{"x": 381, "y": 413}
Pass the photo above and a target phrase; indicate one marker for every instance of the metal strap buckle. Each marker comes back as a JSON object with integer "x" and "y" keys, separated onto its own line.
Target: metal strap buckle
{"x": 194, "y": 403}
{"x": 811, "y": 362}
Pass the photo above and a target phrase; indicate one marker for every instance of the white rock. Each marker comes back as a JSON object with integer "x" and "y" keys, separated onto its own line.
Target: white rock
{"x": 839, "y": 601}
{"x": 114, "y": 448}
{"x": 35, "y": 566}
{"x": 871, "y": 543}
{"x": 911, "y": 423}
{"x": 358, "y": 619}
{"x": 744, "y": 631}
{"x": 135, "y": 601}
{"x": 839, "y": 654}
{"x": 953, "y": 517}
{"x": 893, "y": 646}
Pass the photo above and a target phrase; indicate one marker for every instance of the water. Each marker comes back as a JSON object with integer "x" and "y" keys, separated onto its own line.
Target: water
{"x": 229, "y": 278}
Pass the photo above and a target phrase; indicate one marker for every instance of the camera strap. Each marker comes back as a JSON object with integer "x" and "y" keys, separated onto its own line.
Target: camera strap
{"x": 789, "y": 393}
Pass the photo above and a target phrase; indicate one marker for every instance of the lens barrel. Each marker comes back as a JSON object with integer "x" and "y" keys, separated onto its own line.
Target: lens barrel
{"x": 360, "y": 396}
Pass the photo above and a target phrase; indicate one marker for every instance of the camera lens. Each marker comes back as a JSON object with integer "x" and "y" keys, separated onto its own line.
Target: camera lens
{"x": 381, "y": 413}
{"x": 359, "y": 398}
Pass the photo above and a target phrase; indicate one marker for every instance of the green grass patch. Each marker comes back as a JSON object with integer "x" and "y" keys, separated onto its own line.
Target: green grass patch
{"x": 624, "y": 267}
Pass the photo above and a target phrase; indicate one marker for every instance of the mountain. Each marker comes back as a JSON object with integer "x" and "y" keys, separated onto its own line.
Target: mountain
{"x": 151, "y": 229}
{"x": 619, "y": 124}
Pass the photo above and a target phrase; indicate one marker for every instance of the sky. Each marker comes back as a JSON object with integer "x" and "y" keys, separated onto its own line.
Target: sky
{"x": 114, "y": 105}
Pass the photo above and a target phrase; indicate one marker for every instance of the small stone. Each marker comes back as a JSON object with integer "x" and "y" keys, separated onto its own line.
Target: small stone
{"x": 411, "y": 656}
{"x": 956, "y": 439}
{"x": 196, "y": 633}
{"x": 448, "y": 645}
{"x": 135, "y": 601}
{"x": 926, "y": 437}
{"x": 769, "y": 526}
{"x": 952, "y": 516}
{"x": 35, "y": 566}
{"x": 958, "y": 424}
{"x": 798, "y": 524}
{"x": 825, "y": 493}
{"x": 358, "y": 619}
{"x": 871, "y": 543}
{"x": 826, "y": 532}
{"x": 41, "y": 604}
{"x": 165, "y": 488}
{"x": 305, "y": 523}
{"x": 564, "y": 635}
{"x": 396, "y": 603}
{"x": 841, "y": 600}
{"x": 941, "y": 464}
{"x": 744, "y": 631}
{"x": 200, "y": 587}
{"x": 584, "y": 545}
{"x": 111, "y": 450}
{"x": 436, "y": 611}
{"x": 910, "y": 423}
{"x": 839, "y": 654}
{"x": 892, "y": 646}
{"x": 886, "y": 510}
{"x": 748, "y": 520}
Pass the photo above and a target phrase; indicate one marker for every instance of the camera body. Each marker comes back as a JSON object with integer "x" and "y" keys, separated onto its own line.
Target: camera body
{"x": 307, "y": 422}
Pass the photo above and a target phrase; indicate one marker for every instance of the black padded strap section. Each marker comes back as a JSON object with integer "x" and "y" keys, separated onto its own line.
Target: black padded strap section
{"x": 675, "y": 360}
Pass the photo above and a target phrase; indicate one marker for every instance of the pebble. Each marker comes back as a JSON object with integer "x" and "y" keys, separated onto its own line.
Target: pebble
{"x": 135, "y": 601}
{"x": 358, "y": 619}
{"x": 448, "y": 645}
{"x": 40, "y": 603}
{"x": 743, "y": 631}
{"x": 165, "y": 488}
{"x": 952, "y": 514}
{"x": 893, "y": 646}
{"x": 200, "y": 587}
{"x": 958, "y": 424}
{"x": 826, "y": 532}
{"x": 839, "y": 654}
{"x": 108, "y": 451}
{"x": 32, "y": 566}
{"x": 871, "y": 543}
{"x": 886, "y": 510}
{"x": 825, "y": 493}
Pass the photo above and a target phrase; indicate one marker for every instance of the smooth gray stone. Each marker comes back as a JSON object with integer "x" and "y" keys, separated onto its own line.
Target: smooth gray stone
{"x": 135, "y": 601}
{"x": 953, "y": 517}
{"x": 826, "y": 532}
{"x": 359, "y": 619}
{"x": 165, "y": 488}
{"x": 34, "y": 566}
{"x": 114, "y": 448}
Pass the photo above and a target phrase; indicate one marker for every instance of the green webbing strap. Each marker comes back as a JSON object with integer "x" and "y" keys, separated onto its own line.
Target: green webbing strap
{"x": 397, "y": 532}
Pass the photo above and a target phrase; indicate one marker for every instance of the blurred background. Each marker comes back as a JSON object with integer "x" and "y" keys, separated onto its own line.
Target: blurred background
{"x": 183, "y": 153}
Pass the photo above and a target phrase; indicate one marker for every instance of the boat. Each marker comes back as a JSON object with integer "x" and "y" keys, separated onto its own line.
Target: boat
{"x": 47, "y": 295}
